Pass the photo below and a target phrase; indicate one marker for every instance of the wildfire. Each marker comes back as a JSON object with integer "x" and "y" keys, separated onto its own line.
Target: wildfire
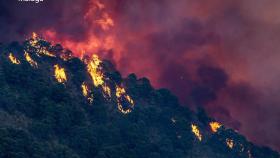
{"x": 97, "y": 76}
{"x": 230, "y": 143}
{"x": 196, "y": 132}
{"x": 30, "y": 60}
{"x": 215, "y": 126}
{"x": 13, "y": 59}
{"x": 93, "y": 69}
{"x": 121, "y": 94}
{"x": 106, "y": 90}
{"x": 86, "y": 92}
{"x": 40, "y": 50}
{"x": 34, "y": 40}
{"x": 60, "y": 74}
{"x": 44, "y": 51}
{"x": 84, "y": 89}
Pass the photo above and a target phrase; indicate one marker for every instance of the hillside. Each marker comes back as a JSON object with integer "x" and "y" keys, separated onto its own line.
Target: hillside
{"x": 55, "y": 105}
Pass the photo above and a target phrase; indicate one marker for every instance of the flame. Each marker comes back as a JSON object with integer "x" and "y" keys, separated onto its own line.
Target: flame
{"x": 214, "y": 126}
{"x": 196, "y": 132}
{"x": 13, "y": 59}
{"x": 97, "y": 76}
{"x": 230, "y": 143}
{"x": 44, "y": 51}
{"x": 93, "y": 69}
{"x": 84, "y": 89}
{"x": 60, "y": 74}
{"x": 106, "y": 90}
{"x": 30, "y": 60}
{"x": 86, "y": 92}
{"x": 34, "y": 40}
{"x": 41, "y": 50}
{"x": 121, "y": 94}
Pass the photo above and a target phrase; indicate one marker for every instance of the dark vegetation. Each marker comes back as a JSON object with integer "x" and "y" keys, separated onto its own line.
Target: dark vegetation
{"x": 40, "y": 117}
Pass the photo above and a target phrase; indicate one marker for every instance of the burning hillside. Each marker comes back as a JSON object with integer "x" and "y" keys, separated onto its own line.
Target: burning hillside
{"x": 221, "y": 55}
{"x": 93, "y": 67}
{"x": 53, "y": 103}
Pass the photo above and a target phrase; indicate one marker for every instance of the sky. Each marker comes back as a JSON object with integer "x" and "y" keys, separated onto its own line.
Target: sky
{"x": 221, "y": 55}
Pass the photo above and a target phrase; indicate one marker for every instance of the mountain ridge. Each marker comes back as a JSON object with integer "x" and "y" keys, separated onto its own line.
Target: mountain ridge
{"x": 55, "y": 105}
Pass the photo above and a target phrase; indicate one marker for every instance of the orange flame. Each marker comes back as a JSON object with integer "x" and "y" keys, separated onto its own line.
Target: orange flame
{"x": 93, "y": 69}
{"x": 44, "y": 51}
{"x": 120, "y": 92}
{"x": 214, "y": 126}
{"x": 84, "y": 89}
{"x": 106, "y": 90}
{"x": 97, "y": 76}
{"x": 60, "y": 74}
{"x": 13, "y": 59}
{"x": 34, "y": 40}
{"x": 86, "y": 92}
{"x": 41, "y": 50}
{"x": 30, "y": 60}
{"x": 196, "y": 132}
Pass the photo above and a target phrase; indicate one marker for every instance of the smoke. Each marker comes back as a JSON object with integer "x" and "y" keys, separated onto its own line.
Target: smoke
{"x": 222, "y": 55}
